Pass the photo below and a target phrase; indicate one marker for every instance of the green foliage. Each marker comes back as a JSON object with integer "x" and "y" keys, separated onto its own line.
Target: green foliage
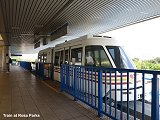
{"x": 153, "y": 64}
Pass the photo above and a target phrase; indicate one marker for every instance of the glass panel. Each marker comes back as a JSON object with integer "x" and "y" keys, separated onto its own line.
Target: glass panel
{"x": 56, "y": 61}
{"x": 66, "y": 57}
{"x": 89, "y": 56}
{"x": 76, "y": 55}
{"x": 126, "y": 61}
{"x": 119, "y": 57}
{"x": 44, "y": 57}
{"x": 96, "y": 56}
{"x": 61, "y": 59}
{"x": 104, "y": 59}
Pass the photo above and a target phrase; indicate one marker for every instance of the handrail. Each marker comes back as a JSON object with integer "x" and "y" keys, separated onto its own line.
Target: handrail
{"x": 107, "y": 90}
{"x": 112, "y": 92}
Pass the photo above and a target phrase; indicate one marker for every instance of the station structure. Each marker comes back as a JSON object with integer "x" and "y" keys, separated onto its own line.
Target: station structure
{"x": 28, "y": 26}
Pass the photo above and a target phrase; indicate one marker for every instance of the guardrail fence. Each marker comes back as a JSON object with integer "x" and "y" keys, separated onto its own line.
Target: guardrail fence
{"x": 45, "y": 70}
{"x": 118, "y": 93}
{"x": 26, "y": 65}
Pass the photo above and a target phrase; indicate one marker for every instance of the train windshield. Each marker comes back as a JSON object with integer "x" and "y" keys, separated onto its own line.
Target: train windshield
{"x": 96, "y": 56}
{"x": 119, "y": 57}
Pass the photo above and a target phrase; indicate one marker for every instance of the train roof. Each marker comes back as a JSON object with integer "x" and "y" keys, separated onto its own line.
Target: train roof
{"x": 87, "y": 38}
{"x": 46, "y": 49}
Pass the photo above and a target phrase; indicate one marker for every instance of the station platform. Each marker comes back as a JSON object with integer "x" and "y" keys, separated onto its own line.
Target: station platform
{"x": 25, "y": 96}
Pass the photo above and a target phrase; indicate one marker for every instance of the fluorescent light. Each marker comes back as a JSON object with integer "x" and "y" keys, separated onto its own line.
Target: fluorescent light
{"x": 1, "y": 37}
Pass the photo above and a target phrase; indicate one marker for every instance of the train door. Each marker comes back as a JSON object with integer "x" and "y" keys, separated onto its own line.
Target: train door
{"x": 49, "y": 55}
{"x": 59, "y": 55}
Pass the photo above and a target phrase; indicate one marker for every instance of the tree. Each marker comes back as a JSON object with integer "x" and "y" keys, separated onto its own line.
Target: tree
{"x": 152, "y": 64}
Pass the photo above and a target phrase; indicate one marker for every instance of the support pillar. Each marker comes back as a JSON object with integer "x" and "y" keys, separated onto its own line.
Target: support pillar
{"x": 5, "y": 50}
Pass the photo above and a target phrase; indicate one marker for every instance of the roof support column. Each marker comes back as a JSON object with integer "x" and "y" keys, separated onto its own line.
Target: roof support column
{"x": 3, "y": 51}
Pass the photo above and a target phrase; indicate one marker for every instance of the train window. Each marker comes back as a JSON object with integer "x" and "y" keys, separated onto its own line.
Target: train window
{"x": 91, "y": 56}
{"x": 119, "y": 57}
{"x": 44, "y": 57}
{"x": 61, "y": 58}
{"x": 39, "y": 58}
{"x": 96, "y": 56}
{"x": 66, "y": 57}
{"x": 76, "y": 56}
{"x": 56, "y": 61}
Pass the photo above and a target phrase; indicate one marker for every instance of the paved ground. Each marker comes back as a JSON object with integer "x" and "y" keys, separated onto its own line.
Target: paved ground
{"x": 23, "y": 96}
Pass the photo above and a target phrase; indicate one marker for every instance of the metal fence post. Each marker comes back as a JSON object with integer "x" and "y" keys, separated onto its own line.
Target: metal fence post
{"x": 29, "y": 66}
{"x": 41, "y": 71}
{"x": 24, "y": 64}
{"x": 37, "y": 68}
{"x": 155, "y": 98}
{"x": 61, "y": 77}
{"x": 100, "y": 92}
{"x": 52, "y": 72}
{"x": 67, "y": 77}
{"x": 75, "y": 83}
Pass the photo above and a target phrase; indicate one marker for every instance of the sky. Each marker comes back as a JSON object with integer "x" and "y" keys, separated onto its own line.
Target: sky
{"x": 140, "y": 40}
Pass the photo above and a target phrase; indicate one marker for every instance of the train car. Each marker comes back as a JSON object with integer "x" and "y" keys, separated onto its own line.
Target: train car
{"x": 46, "y": 55}
{"x": 91, "y": 50}
{"x": 100, "y": 51}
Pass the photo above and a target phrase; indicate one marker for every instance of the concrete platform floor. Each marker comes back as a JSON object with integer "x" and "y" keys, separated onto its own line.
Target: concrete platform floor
{"x": 25, "y": 97}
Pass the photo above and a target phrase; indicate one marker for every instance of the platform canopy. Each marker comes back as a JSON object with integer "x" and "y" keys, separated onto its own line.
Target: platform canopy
{"x": 22, "y": 22}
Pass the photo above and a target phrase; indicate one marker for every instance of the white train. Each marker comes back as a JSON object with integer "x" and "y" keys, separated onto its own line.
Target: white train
{"x": 93, "y": 50}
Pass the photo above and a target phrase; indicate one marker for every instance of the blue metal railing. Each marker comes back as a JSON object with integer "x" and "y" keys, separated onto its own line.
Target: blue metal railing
{"x": 118, "y": 93}
{"x": 26, "y": 65}
{"x": 43, "y": 70}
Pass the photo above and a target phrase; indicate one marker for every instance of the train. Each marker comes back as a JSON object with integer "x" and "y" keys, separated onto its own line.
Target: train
{"x": 93, "y": 50}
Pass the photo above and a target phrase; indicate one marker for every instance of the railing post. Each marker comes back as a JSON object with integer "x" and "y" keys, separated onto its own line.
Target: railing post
{"x": 36, "y": 68}
{"x": 24, "y": 64}
{"x": 67, "y": 77}
{"x": 155, "y": 98}
{"x": 41, "y": 71}
{"x": 75, "y": 83}
{"x": 29, "y": 66}
{"x": 52, "y": 71}
{"x": 100, "y": 92}
{"x": 61, "y": 77}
